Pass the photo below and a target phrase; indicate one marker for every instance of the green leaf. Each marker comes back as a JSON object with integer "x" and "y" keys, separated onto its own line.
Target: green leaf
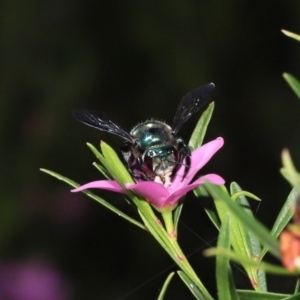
{"x": 293, "y": 297}
{"x": 293, "y": 83}
{"x": 258, "y": 229}
{"x": 253, "y": 295}
{"x": 283, "y": 218}
{"x": 225, "y": 285}
{"x": 116, "y": 165}
{"x": 198, "y": 134}
{"x": 213, "y": 216}
{"x": 244, "y": 241}
{"x": 102, "y": 170}
{"x": 112, "y": 163}
{"x": 95, "y": 197}
{"x": 200, "y": 191}
{"x": 192, "y": 287}
{"x": 244, "y": 260}
{"x": 221, "y": 210}
{"x": 177, "y": 213}
{"x": 289, "y": 170}
{"x": 297, "y": 286}
{"x": 291, "y": 35}
{"x": 211, "y": 210}
{"x": 165, "y": 286}
{"x": 239, "y": 193}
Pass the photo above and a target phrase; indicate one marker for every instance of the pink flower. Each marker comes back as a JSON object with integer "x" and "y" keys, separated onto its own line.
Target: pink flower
{"x": 159, "y": 195}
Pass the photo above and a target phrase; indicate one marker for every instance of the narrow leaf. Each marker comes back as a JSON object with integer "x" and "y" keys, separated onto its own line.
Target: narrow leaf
{"x": 209, "y": 209}
{"x": 225, "y": 285}
{"x": 221, "y": 209}
{"x": 95, "y": 197}
{"x": 258, "y": 229}
{"x": 112, "y": 163}
{"x": 253, "y": 295}
{"x": 244, "y": 241}
{"x": 239, "y": 193}
{"x": 283, "y": 218}
{"x": 191, "y": 286}
{"x": 165, "y": 286}
{"x": 297, "y": 286}
{"x": 115, "y": 164}
{"x": 293, "y": 83}
{"x": 213, "y": 216}
{"x": 102, "y": 170}
{"x": 293, "y": 297}
{"x": 177, "y": 213}
{"x": 199, "y": 132}
{"x": 272, "y": 269}
{"x": 291, "y": 34}
{"x": 291, "y": 173}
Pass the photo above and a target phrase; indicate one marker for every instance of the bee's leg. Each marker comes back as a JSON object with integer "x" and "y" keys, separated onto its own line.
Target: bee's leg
{"x": 138, "y": 168}
{"x": 134, "y": 164}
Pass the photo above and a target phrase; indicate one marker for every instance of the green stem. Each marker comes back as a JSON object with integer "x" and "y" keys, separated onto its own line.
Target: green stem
{"x": 185, "y": 266}
{"x": 169, "y": 243}
{"x": 181, "y": 259}
{"x": 171, "y": 246}
{"x": 167, "y": 215}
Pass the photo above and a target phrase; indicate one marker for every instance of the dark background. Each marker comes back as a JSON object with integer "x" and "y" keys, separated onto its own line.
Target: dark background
{"x": 135, "y": 60}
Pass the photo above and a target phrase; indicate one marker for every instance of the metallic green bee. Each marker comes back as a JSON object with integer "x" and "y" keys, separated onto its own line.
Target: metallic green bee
{"x": 152, "y": 150}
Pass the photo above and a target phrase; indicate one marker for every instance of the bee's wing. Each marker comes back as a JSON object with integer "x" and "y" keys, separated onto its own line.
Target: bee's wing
{"x": 102, "y": 122}
{"x": 190, "y": 104}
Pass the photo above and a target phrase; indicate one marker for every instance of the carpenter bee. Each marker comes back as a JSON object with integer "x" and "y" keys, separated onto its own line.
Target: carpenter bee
{"x": 152, "y": 150}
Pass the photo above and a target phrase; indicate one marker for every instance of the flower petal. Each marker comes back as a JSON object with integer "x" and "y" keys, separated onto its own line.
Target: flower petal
{"x": 199, "y": 158}
{"x": 109, "y": 185}
{"x": 212, "y": 178}
{"x": 154, "y": 192}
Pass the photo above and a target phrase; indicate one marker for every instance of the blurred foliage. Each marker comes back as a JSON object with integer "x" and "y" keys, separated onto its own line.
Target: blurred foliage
{"x": 135, "y": 60}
